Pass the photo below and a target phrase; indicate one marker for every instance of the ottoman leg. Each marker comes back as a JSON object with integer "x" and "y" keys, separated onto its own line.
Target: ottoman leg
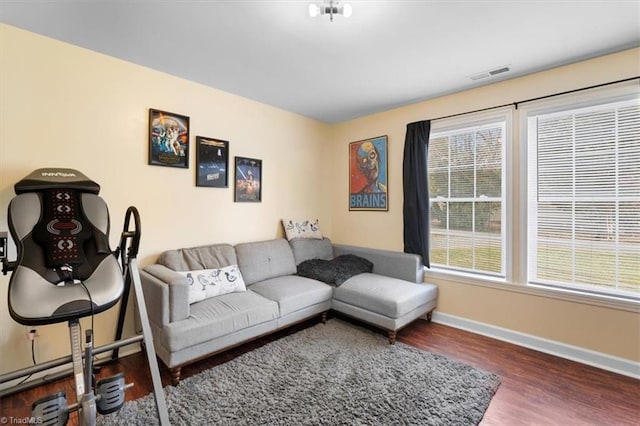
{"x": 175, "y": 375}
{"x": 392, "y": 337}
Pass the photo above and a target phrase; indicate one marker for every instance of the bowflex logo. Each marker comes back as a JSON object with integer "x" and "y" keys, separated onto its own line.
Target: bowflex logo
{"x": 58, "y": 174}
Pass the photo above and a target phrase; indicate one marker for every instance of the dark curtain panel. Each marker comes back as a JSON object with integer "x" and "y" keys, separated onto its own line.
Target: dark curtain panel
{"x": 416, "y": 190}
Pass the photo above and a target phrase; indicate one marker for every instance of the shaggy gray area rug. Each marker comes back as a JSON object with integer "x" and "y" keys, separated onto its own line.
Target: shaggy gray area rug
{"x": 329, "y": 374}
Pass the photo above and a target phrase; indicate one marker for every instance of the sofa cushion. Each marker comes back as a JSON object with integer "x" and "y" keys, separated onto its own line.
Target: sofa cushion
{"x": 213, "y": 256}
{"x": 206, "y": 283}
{"x": 384, "y": 295}
{"x": 218, "y": 316}
{"x": 293, "y": 293}
{"x": 403, "y": 266}
{"x": 309, "y": 248}
{"x": 262, "y": 260}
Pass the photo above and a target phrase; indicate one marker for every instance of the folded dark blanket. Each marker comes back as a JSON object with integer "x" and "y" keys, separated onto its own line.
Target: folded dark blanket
{"x": 335, "y": 271}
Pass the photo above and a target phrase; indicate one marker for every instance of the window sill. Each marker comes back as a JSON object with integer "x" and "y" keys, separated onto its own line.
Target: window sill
{"x": 574, "y": 296}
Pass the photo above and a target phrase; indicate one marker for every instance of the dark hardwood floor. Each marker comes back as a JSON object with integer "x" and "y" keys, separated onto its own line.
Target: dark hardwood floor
{"x": 536, "y": 389}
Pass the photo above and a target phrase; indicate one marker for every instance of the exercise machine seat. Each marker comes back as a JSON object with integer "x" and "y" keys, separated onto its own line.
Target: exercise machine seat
{"x": 64, "y": 269}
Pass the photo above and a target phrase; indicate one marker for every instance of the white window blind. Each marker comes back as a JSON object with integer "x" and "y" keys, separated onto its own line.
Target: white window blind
{"x": 584, "y": 198}
{"x": 466, "y": 190}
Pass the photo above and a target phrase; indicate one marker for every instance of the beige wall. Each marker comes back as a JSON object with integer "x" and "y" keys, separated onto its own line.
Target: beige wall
{"x": 610, "y": 331}
{"x": 64, "y": 106}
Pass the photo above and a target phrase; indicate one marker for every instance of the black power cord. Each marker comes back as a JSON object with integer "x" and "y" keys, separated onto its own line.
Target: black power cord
{"x": 33, "y": 355}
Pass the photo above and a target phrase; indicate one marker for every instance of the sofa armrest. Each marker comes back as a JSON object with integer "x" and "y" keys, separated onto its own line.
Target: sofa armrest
{"x": 166, "y": 294}
{"x": 404, "y": 266}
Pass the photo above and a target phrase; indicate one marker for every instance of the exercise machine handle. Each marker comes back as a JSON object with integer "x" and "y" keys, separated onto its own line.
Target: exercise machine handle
{"x": 133, "y": 235}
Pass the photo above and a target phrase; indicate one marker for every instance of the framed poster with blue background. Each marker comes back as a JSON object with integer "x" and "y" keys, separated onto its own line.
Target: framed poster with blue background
{"x": 212, "y": 162}
{"x": 368, "y": 175}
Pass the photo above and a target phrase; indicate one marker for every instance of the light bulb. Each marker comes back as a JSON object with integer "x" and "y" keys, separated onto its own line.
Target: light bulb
{"x": 314, "y": 10}
{"x": 347, "y": 10}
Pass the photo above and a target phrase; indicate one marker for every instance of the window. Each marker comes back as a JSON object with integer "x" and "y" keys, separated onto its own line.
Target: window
{"x": 584, "y": 197}
{"x": 466, "y": 189}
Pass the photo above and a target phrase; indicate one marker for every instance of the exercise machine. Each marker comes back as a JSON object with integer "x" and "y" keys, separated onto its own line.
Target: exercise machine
{"x": 65, "y": 271}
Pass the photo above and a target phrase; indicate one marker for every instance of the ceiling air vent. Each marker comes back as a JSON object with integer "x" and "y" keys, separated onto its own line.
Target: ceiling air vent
{"x": 490, "y": 73}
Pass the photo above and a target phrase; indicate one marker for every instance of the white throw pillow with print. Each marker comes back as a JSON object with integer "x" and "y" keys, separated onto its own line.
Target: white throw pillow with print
{"x": 302, "y": 228}
{"x": 206, "y": 283}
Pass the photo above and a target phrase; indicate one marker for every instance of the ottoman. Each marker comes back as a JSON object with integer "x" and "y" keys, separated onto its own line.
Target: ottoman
{"x": 388, "y": 303}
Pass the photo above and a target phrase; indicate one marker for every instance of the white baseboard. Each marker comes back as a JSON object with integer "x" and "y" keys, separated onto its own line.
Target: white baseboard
{"x": 563, "y": 350}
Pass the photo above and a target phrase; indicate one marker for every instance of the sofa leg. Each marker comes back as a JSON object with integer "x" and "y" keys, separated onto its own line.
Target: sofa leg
{"x": 392, "y": 337}
{"x": 324, "y": 317}
{"x": 175, "y": 375}
{"x": 429, "y": 315}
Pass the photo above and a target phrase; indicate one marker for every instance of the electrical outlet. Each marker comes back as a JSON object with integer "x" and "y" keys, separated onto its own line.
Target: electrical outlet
{"x": 3, "y": 245}
{"x": 31, "y": 335}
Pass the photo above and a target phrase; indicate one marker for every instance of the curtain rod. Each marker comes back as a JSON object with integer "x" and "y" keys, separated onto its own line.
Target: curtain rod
{"x": 515, "y": 104}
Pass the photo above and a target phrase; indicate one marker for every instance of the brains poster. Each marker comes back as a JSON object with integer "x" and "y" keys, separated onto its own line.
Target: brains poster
{"x": 368, "y": 174}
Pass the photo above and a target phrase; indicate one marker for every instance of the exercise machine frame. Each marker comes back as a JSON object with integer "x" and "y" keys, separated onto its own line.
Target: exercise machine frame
{"x": 113, "y": 387}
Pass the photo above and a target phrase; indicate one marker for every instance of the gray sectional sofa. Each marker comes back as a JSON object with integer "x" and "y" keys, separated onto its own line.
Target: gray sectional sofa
{"x": 390, "y": 296}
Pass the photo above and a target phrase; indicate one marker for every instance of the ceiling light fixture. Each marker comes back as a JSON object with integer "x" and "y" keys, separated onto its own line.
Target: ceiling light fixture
{"x": 330, "y": 8}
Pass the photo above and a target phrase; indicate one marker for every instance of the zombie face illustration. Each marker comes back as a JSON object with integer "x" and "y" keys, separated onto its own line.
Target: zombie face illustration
{"x": 368, "y": 161}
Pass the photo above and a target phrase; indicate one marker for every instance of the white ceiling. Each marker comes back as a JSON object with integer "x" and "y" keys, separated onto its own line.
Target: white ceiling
{"x": 388, "y": 54}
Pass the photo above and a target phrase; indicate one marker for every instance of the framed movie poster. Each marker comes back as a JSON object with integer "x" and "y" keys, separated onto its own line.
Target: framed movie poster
{"x": 212, "y": 162}
{"x": 168, "y": 139}
{"x": 368, "y": 174}
{"x": 248, "y": 186}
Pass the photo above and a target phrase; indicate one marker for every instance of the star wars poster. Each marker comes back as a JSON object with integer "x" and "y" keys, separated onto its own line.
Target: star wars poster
{"x": 212, "y": 162}
{"x": 368, "y": 174}
{"x": 168, "y": 139}
{"x": 248, "y": 186}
